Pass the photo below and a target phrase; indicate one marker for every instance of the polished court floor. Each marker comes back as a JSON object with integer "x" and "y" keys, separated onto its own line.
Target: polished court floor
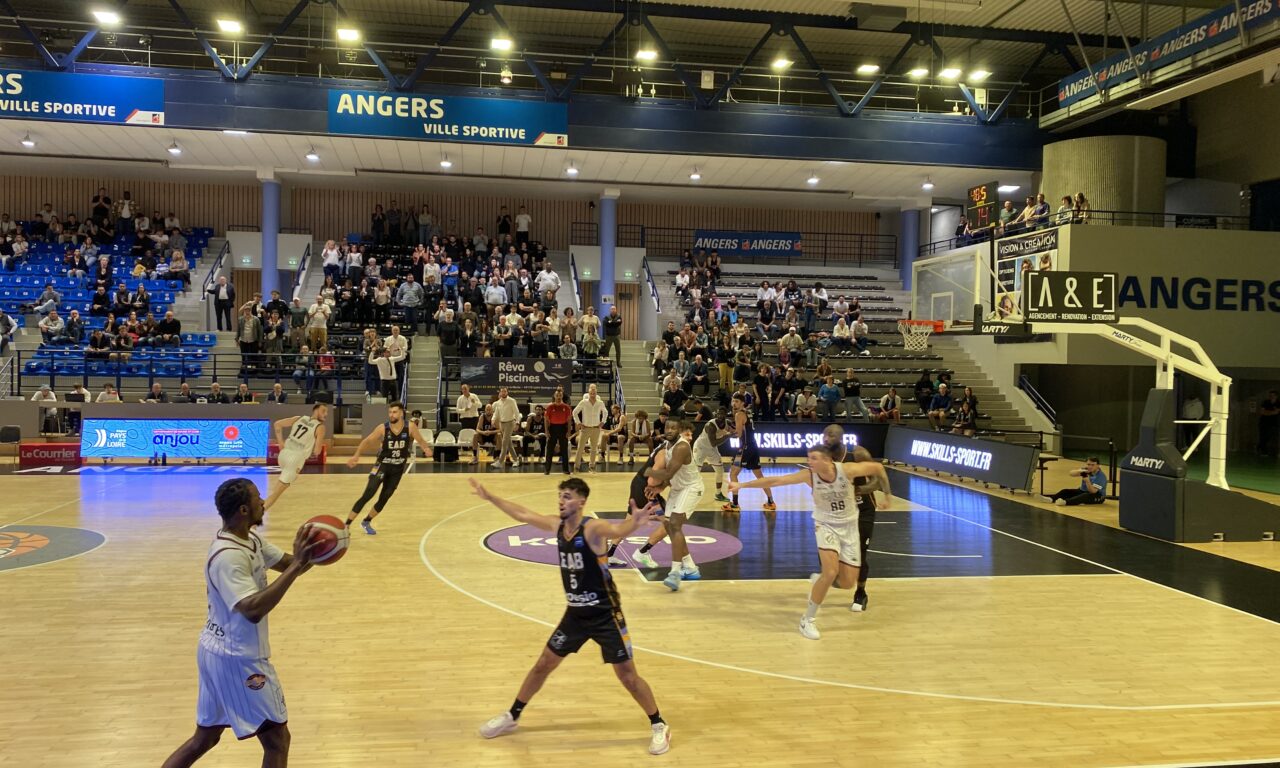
{"x": 1000, "y": 633}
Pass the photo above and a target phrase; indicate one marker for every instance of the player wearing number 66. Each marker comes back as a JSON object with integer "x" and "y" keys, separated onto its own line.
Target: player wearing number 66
{"x": 305, "y": 436}
{"x": 835, "y": 521}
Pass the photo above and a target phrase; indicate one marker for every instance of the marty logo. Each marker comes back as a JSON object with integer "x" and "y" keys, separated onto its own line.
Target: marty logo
{"x": 1146, "y": 462}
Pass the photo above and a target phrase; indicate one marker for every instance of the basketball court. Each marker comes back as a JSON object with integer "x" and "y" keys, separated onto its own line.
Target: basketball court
{"x": 1000, "y": 633}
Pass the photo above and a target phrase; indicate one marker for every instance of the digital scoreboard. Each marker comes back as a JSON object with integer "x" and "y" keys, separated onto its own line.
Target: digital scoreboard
{"x": 983, "y": 209}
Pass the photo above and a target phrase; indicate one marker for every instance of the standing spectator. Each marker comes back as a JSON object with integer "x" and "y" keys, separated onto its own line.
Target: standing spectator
{"x": 891, "y": 407}
{"x": 297, "y": 323}
{"x": 547, "y": 279}
{"x": 378, "y": 225}
{"x": 852, "y": 386}
{"x": 504, "y": 224}
{"x": 249, "y": 334}
{"x": 7, "y": 327}
{"x": 559, "y": 418}
{"x": 409, "y": 297}
{"x": 224, "y": 298}
{"x": 394, "y": 223}
{"x": 1066, "y": 211}
{"x": 1080, "y": 209}
{"x": 939, "y": 407}
{"x": 411, "y": 224}
{"x": 274, "y": 333}
{"x": 102, "y": 205}
{"x": 1040, "y": 213}
{"x": 425, "y": 222}
{"x": 1092, "y": 489}
{"x": 588, "y": 418}
{"x": 1269, "y": 424}
{"x": 468, "y": 408}
{"x": 387, "y": 376}
{"x": 612, "y": 334}
{"x": 318, "y": 323}
{"x": 506, "y": 413}
{"x": 523, "y": 220}
{"x": 398, "y": 346}
{"x": 449, "y": 334}
{"x": 125, "y": 211}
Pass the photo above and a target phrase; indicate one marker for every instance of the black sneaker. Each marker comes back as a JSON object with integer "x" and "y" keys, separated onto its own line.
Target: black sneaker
{"x": 859, "y": 604}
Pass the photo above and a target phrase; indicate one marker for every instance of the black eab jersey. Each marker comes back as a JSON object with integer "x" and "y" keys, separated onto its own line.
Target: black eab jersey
{"x": 395, "y": 447}
{"x": 587, "y": 582}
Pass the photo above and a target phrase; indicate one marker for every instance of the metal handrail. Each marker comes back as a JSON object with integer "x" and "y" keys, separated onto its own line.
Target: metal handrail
{"x": 212, "y": 276}
{"x": 653, "y": 286}
{"x": 300, "y": 274}
{"x": 8, "y": 376}
{"x": 1145, "y": 219}
{"x": 577, "y": 291}
{"x": 1041, "y": 404}
{"x": 618, "y": 396}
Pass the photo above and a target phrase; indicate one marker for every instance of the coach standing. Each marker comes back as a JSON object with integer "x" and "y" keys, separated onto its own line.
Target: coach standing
{"x": 559, "y": 415}
{"x": 612, "y": 334}
{"x": 588, "y": 417}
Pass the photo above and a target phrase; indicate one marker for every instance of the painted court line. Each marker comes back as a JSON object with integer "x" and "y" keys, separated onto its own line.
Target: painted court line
{"x": 60, "y": 506}
{"x": 422, "y": 554}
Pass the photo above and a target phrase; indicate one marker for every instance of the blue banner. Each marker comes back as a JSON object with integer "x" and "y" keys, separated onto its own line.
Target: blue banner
{"x": 733, "y": 243}
{"x": 1216, "y": 28}
{"x": 177, "y": 438}
{"x": 81, "y": 98}
{"x": 449, "y": 118}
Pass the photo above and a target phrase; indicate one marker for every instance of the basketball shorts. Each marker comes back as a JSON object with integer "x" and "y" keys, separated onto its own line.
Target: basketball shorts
{"x": 606, "y": 626}
{"x": 748, "y": 459}
{"x": 684, "y": 501}
{"x": 638, "y": 484}
{"x": 240, "y": 693}
{"x": 845, "y": 540}
{"x": 291, "y": 462}
{"x": 702, "y": 456}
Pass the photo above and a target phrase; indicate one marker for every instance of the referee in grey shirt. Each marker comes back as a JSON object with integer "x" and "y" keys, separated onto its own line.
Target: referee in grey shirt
{"x": 506, "y": 412}
{"x": 589, "y": 415}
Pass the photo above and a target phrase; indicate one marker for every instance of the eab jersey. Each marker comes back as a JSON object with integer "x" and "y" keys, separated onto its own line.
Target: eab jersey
{"x": 236, "y": 569}
{"x": 302, "y": 435}
{"x": 587, "y": 582}
{"x": 688, "y": 475}
{"x": 395, "y": 447}
{"x": 831, "y": 502}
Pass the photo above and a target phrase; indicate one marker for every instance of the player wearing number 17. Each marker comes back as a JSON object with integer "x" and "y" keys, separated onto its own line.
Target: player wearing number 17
{"x": 306, "y": 435}
{"x": 594, "y": 611}
{"x": 835, "y": 521}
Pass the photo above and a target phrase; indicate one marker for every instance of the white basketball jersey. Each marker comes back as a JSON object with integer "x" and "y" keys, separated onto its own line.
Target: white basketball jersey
{"x": 302, "y": 435}
{"x": 831, "y": 502}
{"x": 236, "y": 569}
{"x": 688, "y": 475}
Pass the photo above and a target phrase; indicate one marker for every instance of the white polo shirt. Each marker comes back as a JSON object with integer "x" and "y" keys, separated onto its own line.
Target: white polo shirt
{"x": 506, "y": 410}
{"x": 468, "y": 406}
{"x": 590, "y": 414}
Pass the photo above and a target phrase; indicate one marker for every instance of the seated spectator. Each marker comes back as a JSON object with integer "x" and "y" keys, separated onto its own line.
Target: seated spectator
{"x": 243, "y": 395}
{"x": 122, "y": 301}
{"x": 122, "y": 347}
{"x": 52, "y": 328}
{"x": 966, "y": 421}
{"x": 302, "y": 368}
{"x": 924, "y": 391}
{"x": 216, "y": 395}
{"x": 155, "y": 395}
{"x": 842, "y": 338}
{"x": 168, "y": 331}
{"x": 639, "y": 432}
{"x": 49, "y": 300}
{"x": 568, "y": 350}
{"x": 185, "y": 395}
{"x": 7, "y": 328}
{"x": 486, "y": 434}
{"x": 674, "y": 396}
{"x": 806, "y": 408}
{"x": 76, "y": 265}
{"x": 324, "y": 367}
{"x": 49, "y": 422}
{"x": 699, "y": 374}
{"x": 277, "y": 394}
{"x": 890, "y": 407}
{"x": 108, "y": 394}
{"x": 862, "y": 337}
{"x": 100, "y": 303}
{"x": 102, "y": 273}
{"x": 74, "y": 331}
{"x": 179, "y": 270}
{"x": 99, "y": 346}
{"x": 1092, "y": 490}
{"x": 939, "y": 407}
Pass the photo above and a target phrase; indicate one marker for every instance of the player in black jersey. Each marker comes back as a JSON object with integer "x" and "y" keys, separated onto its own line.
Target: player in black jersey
{"x": 594, "y": 611}
{"x": 642, "y": 493}
{"x": 394, "y": 452}
{"x": 748, "y": 453}
{"x": 864, "y": 488}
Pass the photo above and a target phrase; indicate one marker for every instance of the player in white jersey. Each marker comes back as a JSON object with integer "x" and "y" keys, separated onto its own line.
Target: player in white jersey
{"x": 239, "y": 688}
{"x": 675, "y": 468}
{"x": 305, "y": 436}
{"x": 706, "y": 449}
{"x": 835, "y": 521}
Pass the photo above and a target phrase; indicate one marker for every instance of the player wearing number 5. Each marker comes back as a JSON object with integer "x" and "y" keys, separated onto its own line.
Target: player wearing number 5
{"x": 835, "y": 521}
{"x": 306, "y": 435}
{"x": 594, "y": 611}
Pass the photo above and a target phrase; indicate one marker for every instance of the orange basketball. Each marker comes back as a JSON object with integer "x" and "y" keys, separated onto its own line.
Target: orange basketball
{"x": 332, "y": 536}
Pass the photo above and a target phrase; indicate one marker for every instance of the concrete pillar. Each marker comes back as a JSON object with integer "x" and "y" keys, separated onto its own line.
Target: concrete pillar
{"x": 908, "y": 243}
{"x": 1116, "y": 173}
{"x": 270, "y": 233}
{"x": 608, "y": 246}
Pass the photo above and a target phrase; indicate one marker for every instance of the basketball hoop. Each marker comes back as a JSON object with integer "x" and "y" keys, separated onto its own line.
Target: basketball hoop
{"x": 915, "y": 334}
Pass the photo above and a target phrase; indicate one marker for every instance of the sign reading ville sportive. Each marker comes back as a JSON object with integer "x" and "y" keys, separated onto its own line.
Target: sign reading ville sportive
{"x": 71, "y": 97}
{"x": 449, "y": 118}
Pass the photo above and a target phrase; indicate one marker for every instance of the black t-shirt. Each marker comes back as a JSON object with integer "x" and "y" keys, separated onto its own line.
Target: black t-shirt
{"x": 761, "y": 384}
{"x": 852, "y": 388}
{"x": 674, "y": 399}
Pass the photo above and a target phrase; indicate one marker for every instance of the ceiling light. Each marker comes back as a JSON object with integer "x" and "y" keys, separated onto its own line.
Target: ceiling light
{"x": 505, "y": 77}
{"x": 927, "y": 186}
{"x": 813, "y": 179}
{"x": 312, "y": 155}
{"x": 695, "y": 176}
{"x": 235, "y": 132}
{"x": 978, "y": 75}
{"x": 868, "y": 69}
{"x": 646, "y": 54}
{"x": 918, "y": 72}
{"x": 572, "y": 170}
{"x": 1007, "y": 188}
{"x": 781, "y": 63}
{"x": 348, "y": 35}
{"x": 950, "y": 73}
{"x": 445, "y": 162}
{"x": 107, "y": 18}
{"x": 174, "y": 149}
{"x": 230, "y": 26}
{"x": 501, "y": 44}
{"x": 28, "y": 142}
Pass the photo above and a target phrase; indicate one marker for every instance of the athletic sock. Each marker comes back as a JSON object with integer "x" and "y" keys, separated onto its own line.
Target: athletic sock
{"x": 644, "y": 549}
{"x": 735, "y": 499}
{"x": 656, "y": 718}
{"x": 675, "y": 566}
{"x": 812, "y": 611}
{"x": 518, "y": 708}
{"x": 613, "y": 548}
{"x": 367, "y": 519}
{"x": 687, "y": 562}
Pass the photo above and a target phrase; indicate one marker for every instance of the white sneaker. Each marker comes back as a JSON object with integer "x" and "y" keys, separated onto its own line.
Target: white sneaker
{"x": 1060, "y": 502}
{"x": 615, "y": 560}
{"x": 660, "y": 741}
{"x": 645, "y": 560}
{"x": 502, "y": 724}
{"x": 515, "y": 464}
{"x": 808, "y": 628}
{"x": 1045, "y": 499}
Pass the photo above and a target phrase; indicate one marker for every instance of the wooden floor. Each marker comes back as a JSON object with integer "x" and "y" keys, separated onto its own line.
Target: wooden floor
{"x": 396, "y": 655}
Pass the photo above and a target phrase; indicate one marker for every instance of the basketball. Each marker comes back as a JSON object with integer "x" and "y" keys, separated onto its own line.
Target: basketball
{"x": 333, "y": 537}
